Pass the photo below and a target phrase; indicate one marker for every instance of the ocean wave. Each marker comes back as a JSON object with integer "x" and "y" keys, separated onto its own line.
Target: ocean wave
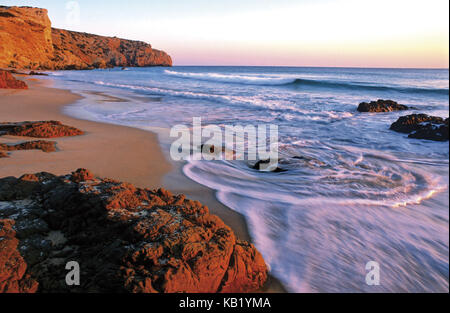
{"x": 272, "y": 80}
{"x": 361, "y": 86}
{"x": 235, "y": 78}
{"x": 251, "y": 101}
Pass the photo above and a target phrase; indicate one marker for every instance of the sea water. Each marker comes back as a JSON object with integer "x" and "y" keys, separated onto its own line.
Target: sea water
{"x": 353, "y": 190}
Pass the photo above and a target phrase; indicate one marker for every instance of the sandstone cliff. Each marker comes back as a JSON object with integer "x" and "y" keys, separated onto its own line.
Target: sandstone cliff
{"x": 27, "y": 41}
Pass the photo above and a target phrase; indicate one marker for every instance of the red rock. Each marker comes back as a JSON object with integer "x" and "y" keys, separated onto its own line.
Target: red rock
{"x": 42, "y": 129}
{"x": 129, "y": 239}
{"x": 75, "y": 50}
{"x": 7, "y": 81}
{"x": 29, "y": 42}
{"x": 81, "y": 175}
{"x": 45, "y": 146}
{"x": 13, "y": 269}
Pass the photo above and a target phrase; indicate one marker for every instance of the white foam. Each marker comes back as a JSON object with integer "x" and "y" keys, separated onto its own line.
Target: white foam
{"x": 236, "y": 78}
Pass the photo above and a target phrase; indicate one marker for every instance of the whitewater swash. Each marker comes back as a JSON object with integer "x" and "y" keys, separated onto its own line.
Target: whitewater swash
{"x": 354, "y": 191}
{"x": 242, "y": 142}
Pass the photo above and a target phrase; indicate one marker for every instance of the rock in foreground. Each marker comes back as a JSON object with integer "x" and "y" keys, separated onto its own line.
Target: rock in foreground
{"x": 40, "y": 129}
{"x": 125, "y": 239}
{"x": 422, "y": 126}
{"x": 381, "y": 106}
{"x": 13, "y": 276}
{"x": 7, "y": 81}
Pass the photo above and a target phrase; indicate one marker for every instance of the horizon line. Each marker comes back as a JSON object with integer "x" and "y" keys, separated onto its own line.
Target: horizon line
{"x": 315, "y": 66}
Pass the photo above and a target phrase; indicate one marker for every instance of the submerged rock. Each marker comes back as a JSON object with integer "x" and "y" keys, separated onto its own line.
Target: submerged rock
{"x": 7, "y": 81}
{"x": 40, "y": 129}
{"x": 33, "y": 73}
{"x": 381, "y": 106}
{"x": 422, "y": 126}
{"x": 265, "y": 165}
{"x": 125, "y": 239}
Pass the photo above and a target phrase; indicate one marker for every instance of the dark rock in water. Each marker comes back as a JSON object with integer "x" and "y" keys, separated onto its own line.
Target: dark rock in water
{"x": 422, "y": 126}
{"x": 33, "y": 73}
{"x": 125, "y": 239}
{"x": 381, "y": 106}
{"x": 264, "y": 165}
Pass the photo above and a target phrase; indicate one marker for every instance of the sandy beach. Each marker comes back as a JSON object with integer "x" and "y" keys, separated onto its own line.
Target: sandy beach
{"x": 107, "y": 150}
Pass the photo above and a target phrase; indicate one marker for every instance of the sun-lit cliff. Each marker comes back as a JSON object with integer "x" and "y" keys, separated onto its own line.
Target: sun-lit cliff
{"x": 27, "y": 41}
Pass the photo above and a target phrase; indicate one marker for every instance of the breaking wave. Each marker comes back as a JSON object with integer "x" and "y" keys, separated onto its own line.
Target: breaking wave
{"x": 289, "y": 80}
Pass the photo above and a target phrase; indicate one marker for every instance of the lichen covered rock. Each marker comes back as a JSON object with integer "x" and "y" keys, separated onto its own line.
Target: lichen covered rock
{"x": 40, "y": 129}
{"x": 125, "y": 239}
{"x": 13, "y": 269}
{"x": 45, "y": 146}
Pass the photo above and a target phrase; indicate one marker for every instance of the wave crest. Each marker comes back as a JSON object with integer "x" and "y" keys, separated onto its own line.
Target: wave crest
{"x": 272, "y": 80}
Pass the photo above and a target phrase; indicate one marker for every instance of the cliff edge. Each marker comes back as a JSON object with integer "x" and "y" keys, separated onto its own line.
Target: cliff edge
{"x": 29, "y": 42}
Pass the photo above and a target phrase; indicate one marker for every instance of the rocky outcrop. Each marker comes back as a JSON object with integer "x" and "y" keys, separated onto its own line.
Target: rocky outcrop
{"x": 45, "y": 146}
{"x": 40, "y": 129}
{"x": 13, "y": 269}
{"x": 124, "y": 238}
{"x": 422, "y": 126}
{"x": 29, "y": 42}
{"x": 381, "y": 106}
{"x": 7, "y": 81}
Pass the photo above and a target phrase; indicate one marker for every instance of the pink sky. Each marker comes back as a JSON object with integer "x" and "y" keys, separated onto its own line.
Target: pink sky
{"x": 361, "y": 33}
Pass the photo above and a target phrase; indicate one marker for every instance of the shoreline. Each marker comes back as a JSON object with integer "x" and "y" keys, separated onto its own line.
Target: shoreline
{"x": 105, "y": 149}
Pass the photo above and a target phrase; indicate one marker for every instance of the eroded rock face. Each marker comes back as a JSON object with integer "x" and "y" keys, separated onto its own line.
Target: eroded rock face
{"x": 8, "y": 81}
{"x": 381, "y": 106}
{"x": 29, "y": 42}
{"x": 40, "y": 129}
{"x": 13, "y": 269}
{"x": 422, "y": 126}
{"x": 25, "y": 37}
{"x": 125, "y": 239}
{"x": 75, "y": 50}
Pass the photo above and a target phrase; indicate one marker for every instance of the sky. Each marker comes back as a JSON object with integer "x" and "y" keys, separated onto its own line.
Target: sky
{"x": 341, "y": 33}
